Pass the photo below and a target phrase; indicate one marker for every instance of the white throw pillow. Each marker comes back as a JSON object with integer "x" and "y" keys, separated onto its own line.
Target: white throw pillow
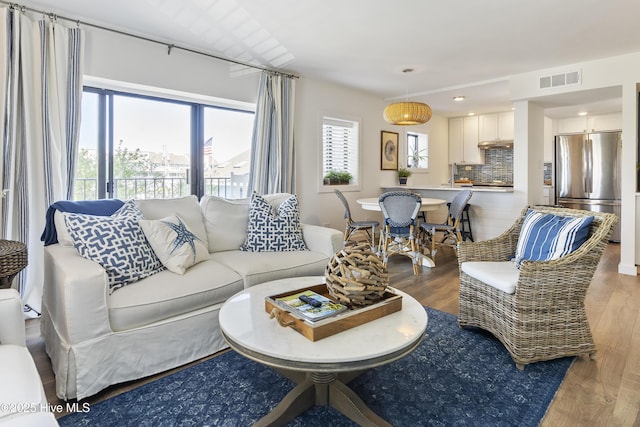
{"x": 64, "y": 238}
{"x": 187, "y": 207}
{"x": 173, "y": 242}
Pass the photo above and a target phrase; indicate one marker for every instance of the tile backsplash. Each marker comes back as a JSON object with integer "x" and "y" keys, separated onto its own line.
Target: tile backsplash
{"x": 498, "y": 166}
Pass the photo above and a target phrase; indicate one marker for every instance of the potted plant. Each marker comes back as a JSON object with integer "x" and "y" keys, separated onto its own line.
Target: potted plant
{"x": 337, "y": 178}
{"x": 403, "y": 174}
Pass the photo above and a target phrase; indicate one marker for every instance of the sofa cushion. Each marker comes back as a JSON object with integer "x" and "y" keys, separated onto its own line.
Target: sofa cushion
{"x": 174, "y": 243}
{"x": 187, "y": 207}
{"x": 273, "y": 229}
{"x": 64, "y": 238}
{"x": 129, "y": 208}
{"x": 501, "y": 275}
{"x": 165, "y": 295}
{"x": 117, "y": 244}
{"x": 226, "y": 220}
{"x": 259, "y": 267}
{"x": 545, "y": 236}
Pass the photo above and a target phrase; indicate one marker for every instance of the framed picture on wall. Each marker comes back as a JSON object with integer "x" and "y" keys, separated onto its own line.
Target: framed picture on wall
{"x": 388, "y": 150}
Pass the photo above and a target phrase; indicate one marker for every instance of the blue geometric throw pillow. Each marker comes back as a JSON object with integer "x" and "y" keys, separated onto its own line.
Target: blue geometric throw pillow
{"x": 117, "y": 244}
{"x": 273, "y": 230}
{"x": 128, "y": 209}
{"x": 545, "y": 237}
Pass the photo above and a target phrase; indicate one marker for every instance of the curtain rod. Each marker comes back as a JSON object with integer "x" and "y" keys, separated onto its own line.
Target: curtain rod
{"x": 170, "y": 46}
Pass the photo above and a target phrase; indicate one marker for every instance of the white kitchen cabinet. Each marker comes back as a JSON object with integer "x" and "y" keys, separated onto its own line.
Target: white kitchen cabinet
{"x": 505, "y": 125}
{"x": 604, "y": 122}
{"x": 593, "y": 123}
{"x": 463, "y": 141}
{"x": 572, "y": 125}
{"x": 548, "y": 196}
{"x": 496, "y": 126}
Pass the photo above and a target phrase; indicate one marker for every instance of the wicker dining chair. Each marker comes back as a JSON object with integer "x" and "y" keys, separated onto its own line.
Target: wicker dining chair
{"x": 536, "y": 311}
{"x": 352, "y": 227}
{"x": 399, "y": 233}
{"x": 449, "y": 233}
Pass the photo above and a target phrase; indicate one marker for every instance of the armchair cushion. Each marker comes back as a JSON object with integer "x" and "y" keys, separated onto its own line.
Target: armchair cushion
{"x": 545, "y": 236}
{"x": 502, "y": 275}
{"x": 274, "y": 229}
{"x": 22, "y": 389}
{"x": 174, "y": 243}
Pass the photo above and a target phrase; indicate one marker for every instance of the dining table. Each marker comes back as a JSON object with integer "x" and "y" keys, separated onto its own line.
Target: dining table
{"x": 428, "y": 204}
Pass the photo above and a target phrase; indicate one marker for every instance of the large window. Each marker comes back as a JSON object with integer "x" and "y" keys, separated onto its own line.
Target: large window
{"x": 134, "y": 146}
{"x": 340, "y": 151}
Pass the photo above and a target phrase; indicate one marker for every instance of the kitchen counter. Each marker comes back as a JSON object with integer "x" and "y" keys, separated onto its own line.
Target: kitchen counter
{"x": 456, "y": 187}
{"x": 493, "y": 209}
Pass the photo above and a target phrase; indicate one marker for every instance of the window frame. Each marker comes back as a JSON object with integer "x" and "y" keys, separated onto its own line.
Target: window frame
{"x": 354, "y": 186}
{"x": 106, "y": 89}
{"x": 405, "y": 153}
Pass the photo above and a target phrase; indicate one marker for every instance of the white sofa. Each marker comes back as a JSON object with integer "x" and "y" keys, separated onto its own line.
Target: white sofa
{"x": 22, "y": 398}
{"x": 96, "y": 339}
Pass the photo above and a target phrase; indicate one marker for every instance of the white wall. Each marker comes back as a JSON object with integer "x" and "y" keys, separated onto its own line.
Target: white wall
{"x": 316, "y": 98}
{"x": 112, "y": 57}
{"x": 121, "y": 58}
{"x": 621, "y": 71}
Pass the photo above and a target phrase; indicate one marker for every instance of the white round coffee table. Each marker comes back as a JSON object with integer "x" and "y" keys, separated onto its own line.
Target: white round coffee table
{"x": 320, "y": 368}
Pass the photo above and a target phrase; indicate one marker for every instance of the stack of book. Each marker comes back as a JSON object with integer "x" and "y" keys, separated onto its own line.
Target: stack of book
{"x": 310, "y": 305}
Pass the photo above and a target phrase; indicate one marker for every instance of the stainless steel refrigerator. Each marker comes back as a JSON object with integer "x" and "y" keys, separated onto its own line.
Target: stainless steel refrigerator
{"x": 587, "y": 172}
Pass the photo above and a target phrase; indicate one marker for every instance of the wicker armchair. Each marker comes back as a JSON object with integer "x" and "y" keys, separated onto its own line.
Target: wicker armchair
{"x": 544, "y": 318}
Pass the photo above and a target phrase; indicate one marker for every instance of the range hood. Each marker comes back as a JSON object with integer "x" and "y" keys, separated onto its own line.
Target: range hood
{"x": 488, "y": 145}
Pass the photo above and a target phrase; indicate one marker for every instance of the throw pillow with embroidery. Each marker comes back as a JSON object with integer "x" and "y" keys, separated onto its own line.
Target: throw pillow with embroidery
{"x": 177, "y": 247}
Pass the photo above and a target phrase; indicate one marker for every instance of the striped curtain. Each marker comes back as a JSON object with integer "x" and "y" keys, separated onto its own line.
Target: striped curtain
{"x": 41, "y": 75}
{"x": 272, "y": 163}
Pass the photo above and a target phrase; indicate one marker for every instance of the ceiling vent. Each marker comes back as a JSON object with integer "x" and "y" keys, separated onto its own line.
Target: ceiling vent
{"x": 562, "y": 79}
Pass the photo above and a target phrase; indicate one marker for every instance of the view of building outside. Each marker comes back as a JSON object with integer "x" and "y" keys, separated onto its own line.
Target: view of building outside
{"x": 227, "y": 152}
{"x": 152, "y": 149}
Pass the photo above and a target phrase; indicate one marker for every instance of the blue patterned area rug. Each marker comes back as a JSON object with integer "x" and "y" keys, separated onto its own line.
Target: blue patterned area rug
{"x": 461, "y": 377}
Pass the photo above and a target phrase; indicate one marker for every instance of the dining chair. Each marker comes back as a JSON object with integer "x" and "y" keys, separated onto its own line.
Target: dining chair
{"x": 399, "y": 234}
{"x": 352, "y": 227}
{"x": 435, "y": 235}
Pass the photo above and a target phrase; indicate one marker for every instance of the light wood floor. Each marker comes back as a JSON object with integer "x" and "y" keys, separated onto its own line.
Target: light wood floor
{"x": 604, "y": 392}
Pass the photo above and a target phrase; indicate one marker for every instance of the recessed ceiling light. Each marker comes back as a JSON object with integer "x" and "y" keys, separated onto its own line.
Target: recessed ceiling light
{"x": 471, "y": 114}
{"x": 582, "y": 113}
{"x": 458, "y": 98}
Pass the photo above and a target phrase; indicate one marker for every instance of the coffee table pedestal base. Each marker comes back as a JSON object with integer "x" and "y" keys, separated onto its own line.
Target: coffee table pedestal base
{"x": 321, "y": 389}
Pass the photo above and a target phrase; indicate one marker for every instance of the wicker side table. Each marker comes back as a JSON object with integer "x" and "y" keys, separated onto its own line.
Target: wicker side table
{"x": 13, "y": 258}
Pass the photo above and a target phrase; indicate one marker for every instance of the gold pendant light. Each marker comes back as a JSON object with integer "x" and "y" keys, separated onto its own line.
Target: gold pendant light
{"x": 407, "y": 113}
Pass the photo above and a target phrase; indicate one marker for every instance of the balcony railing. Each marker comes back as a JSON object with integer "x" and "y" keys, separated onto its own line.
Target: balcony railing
{"x": 160, "y": 188}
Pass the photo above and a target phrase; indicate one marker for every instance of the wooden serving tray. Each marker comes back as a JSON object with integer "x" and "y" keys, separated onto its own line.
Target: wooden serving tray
{"x": 351, "y": 318}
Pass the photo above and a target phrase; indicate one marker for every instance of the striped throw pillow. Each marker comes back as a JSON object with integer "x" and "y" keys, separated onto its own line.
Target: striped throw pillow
{"x": 545, "y": 236}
